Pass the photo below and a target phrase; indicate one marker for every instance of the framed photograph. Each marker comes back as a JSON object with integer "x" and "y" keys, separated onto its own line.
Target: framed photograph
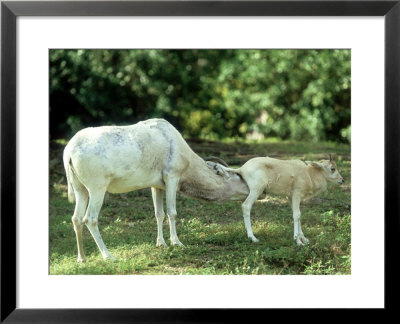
{"x": 313, "y": 85}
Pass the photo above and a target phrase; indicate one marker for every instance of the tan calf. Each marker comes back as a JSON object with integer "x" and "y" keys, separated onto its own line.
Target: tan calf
{"x": 293, "y": 178}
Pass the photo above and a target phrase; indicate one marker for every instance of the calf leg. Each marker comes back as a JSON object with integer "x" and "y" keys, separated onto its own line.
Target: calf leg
{"x": 91, "y": 218}
{"x": 159, "y": 211}
{"x": 246, "y": 208}
{"x": 298, "y": 233}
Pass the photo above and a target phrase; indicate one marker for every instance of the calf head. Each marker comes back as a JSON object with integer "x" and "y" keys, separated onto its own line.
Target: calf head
{"x": 329, "y": 170}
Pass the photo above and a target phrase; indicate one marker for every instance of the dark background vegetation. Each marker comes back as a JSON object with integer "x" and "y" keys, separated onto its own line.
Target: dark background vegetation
{"x": 235, "y": 104}
{"x": 214, "y": 94}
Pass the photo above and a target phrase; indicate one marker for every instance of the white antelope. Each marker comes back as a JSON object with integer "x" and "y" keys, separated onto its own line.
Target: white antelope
{"x": 148, "y": 154}
{"x": 293, "y": 178}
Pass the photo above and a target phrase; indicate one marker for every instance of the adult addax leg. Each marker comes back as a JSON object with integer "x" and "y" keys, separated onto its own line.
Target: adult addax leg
{"x": 159, "y": 212}
{"x": 91, "y": 219}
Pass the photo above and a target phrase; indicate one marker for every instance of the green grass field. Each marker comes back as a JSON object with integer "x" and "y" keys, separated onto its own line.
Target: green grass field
{"x": 213, "y": 233}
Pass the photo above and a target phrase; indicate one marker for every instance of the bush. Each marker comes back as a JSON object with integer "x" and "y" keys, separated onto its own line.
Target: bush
{"x": 291, "y": 94}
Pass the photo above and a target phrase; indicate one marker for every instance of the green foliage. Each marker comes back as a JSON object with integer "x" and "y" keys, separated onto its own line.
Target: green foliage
{"x": 213, "y": 233}
{"x": 290, "y": 94}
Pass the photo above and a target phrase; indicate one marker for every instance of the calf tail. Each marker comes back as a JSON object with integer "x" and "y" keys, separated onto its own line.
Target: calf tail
{"x": 238, "y": 171}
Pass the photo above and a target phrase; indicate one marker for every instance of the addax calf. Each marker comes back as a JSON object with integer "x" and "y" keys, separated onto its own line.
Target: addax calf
{"x": 293, "y": 178}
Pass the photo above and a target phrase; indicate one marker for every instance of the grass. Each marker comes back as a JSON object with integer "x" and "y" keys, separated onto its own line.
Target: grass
{"x": 213, "y": 233}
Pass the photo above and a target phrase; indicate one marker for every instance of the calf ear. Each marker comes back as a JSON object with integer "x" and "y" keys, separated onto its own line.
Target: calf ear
{"x": 317, "y": 165}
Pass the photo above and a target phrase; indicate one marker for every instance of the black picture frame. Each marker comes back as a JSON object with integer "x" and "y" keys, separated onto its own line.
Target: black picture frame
{"x": 10, "y": 10}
